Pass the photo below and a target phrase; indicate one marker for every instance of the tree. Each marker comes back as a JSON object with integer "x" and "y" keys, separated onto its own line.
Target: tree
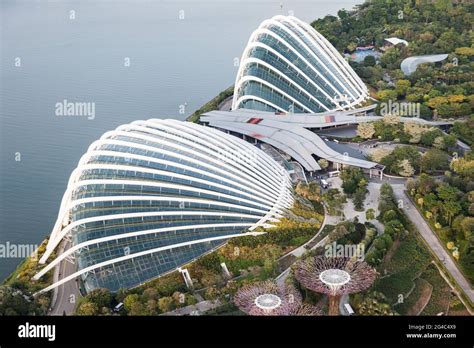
{"x": 448, "y": 193}
{"x": 405, "y": 168}
{"x": 351, "y": 178}
{"x": 450, "y": 210}
{"x": 389, "y": 215}
{"x": 166, "y": 304}
{"x": 365, "y": 130}
{"x": 370, "y": 214}
{"x": 434, "y": 159}
{"x": 465, "y": 51}
{"x": 400, "y": 153}
{"x": 415, "y": 131}
{"x": 358, "y": 199}
{"x": 130, "y": 300}
{"x": 425, "y": 184}
{"x": 402, "y": 86}
{"x": 432, "y": 203}
{"x": 391, "y": 119}
{"x": 323, "y": 163}
{"x": 311, "y": 191}
{"x": 463, "y": 166}
{"x": 87, "y": 308}
{"x": 439, "y": 143}
{"x": 428, "y": 138}
{"x": 151, "y": 307}
{"x": 386, "y": 95}
{"x": 102, "y": 297}
{"x": 375, "y": 303}
{"x": 150, "y": 294}
{"x": 339, "y": 231}
{"x": 334, "y": 201}
{"x": 449, "y": 141}
{"x": 13, "y": 302}
{"x": 394, "y": 228}
{"x": 369, "y": 61}
{"x": 467, "y": 227}
{"x": 464, "y": 130}
{"x": 138, "y": 308}
{"x": 391, "y": 58}
{"x": 379, "y": 153}
{"x": 210, "y": 262}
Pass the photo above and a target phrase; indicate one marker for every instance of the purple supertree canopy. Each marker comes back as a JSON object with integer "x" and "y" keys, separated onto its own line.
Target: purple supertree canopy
{"x": 309, "y": 310}
{"x": 334, "y": 275}
{"x": 268, "y": 298}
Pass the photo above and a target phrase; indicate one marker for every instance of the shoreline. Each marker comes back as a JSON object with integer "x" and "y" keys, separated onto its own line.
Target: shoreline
{"x": 212, "y": 104}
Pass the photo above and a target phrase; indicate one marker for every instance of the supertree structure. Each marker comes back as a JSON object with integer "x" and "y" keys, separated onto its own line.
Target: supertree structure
{"x": 269, "y": 298}
{"x": 334, "y": 276}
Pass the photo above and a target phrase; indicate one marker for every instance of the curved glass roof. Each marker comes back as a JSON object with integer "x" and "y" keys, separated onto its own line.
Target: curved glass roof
{"x": 287, "y": 66}
{"x": 153, "y": 195}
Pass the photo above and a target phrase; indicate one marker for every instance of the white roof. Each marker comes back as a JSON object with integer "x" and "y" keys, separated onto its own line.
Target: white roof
{"x": 410, "y": 64}
{"x": 395, "y": 41}
{"x": 296, "y": 141}
{"x": 312, "y": 120}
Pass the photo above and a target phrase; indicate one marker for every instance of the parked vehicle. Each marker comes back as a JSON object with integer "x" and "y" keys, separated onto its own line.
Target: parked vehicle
{"x": 324, "y": 184}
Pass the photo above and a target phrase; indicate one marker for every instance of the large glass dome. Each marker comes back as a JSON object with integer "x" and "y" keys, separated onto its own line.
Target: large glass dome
{"x": 287, "y": 66}
{"x": 153, "y": 195}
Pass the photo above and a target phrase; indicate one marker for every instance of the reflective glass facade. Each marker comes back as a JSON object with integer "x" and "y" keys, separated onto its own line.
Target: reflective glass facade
{"x": 288, "y": 66}
{"x": 154, "y": 195}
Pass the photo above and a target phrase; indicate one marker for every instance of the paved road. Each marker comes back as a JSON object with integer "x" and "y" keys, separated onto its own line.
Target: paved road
{"x": 226, "y": 104}
{"x": 68, "y": 293}
{"x": 432, "y": 240}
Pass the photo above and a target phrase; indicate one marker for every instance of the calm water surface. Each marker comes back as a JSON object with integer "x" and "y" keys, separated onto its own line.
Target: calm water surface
{"x": 174, "y": 61}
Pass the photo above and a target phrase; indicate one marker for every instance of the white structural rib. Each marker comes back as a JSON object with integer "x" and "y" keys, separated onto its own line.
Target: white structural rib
{"x": 92, "y": 155}
{"x": 284, "y": 77}
{"x": 184, "y": 154}
{"x": 248, "y": 59}
{"x": 196, "y": 139}
{"x": 142, "y": 253}
{"x": 269, "y": 85}
{"x": 332, "y": 56}
{"x": 212, "y": 185}
{"x": 234, "y": 183}
{"x": 225, "y": 164}
{"x": 93, "y": 200}
{"x": 180, "y": 213}
{"x": 326, "y": 64}
{"x": 279, "y": 21}
{"x": 82, "y": 245}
